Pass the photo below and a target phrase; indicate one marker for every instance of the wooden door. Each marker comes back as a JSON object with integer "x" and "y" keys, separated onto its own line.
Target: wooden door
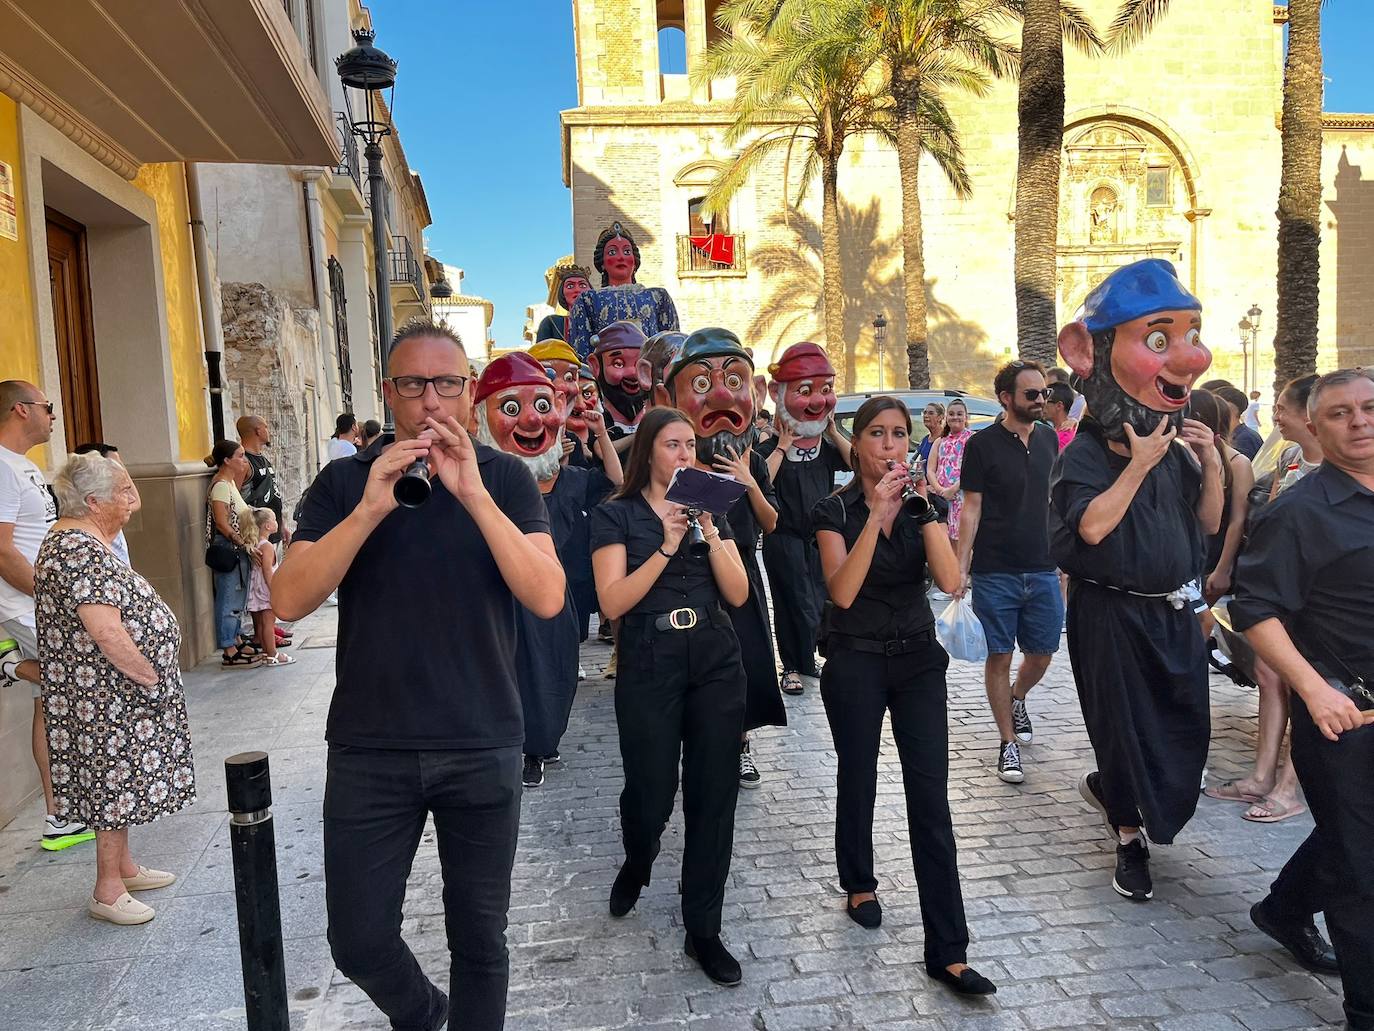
{"x": 70, "y": 282}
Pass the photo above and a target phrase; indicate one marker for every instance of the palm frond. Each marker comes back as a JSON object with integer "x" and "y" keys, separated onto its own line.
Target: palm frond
{"x": 1134, "y": 21}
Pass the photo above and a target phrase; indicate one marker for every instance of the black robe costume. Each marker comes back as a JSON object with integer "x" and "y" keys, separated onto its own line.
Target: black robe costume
{"x": 1140, "y": 663}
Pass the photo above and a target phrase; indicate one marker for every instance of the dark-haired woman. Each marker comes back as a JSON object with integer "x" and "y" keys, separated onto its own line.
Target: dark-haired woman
{"x": 227, "y": 512}
{"x": 882, "y": 656}
{"x": 680, "y": 690}
{"x": 621, "y": 295}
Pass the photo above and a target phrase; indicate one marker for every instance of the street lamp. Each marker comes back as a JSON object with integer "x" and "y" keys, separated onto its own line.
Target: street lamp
{"x": 880, "y": 335}
{"x": 370, "y": 70}
{"x": 1251, "y": 325}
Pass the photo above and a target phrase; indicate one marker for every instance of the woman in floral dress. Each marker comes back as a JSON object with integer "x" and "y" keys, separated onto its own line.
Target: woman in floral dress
{"x": 946, "y": 460}
{"x": 118, "y": 736}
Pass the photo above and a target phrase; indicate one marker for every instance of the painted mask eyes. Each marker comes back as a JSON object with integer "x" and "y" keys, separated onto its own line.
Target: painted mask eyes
{"x": 1193, "y": 338}
{"x": 734, "y": 381}
{"x": 543, "y": 405}
{"x": 510, "y": 408}
{"x": 1157, "y": 341}
{"x": 701, "y": 384}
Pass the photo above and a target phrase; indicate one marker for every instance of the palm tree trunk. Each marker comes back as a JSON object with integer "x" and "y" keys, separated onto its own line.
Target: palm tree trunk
{"x": 832, "y": 274}
{"x": 1300, "y": 196}
{"x": 1040, "y": 137}
{"x": 907, "y": 95}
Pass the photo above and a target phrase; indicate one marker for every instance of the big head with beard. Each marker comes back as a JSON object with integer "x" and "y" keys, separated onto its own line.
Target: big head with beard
{"x": 1136, "y": 348}
{"x": 615, "y": 362}
{"x": 803, "y": 390}
{"x": 515, "y": 411}
{"x": 711, "y": 379}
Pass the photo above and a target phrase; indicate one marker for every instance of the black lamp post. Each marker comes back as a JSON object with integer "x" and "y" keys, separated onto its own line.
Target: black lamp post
{"x": 370, "y": 70}
{"x": 1251, "y": 325}
{"x": 879, "y": 338}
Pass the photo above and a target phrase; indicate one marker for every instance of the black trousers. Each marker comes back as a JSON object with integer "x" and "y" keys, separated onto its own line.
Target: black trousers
{"x": 858, "y": 688}
{"x": 795, "y": 578}
{"x": 681, "y": 693}
{"x": 375, "y": 804}
{"x": 1331, "y": 871}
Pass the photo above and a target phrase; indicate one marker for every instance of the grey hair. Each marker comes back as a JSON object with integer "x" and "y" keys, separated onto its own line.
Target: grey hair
{"x": 84, "y": 476}
{"x": 1339, "y": 378}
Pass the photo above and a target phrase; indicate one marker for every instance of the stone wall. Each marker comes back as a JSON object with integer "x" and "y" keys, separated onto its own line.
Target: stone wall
{"x": 269, "y": 344}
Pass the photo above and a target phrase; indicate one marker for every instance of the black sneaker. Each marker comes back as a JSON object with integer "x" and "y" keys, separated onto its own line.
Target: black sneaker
{"x": 1009, "y": 763}
{"x": 533, "y": 774}
{"x": 1090, "y": 787}
{"x": 1020, "y": 721}
{"x": 1132, "y": 877}
{"x": 553, "y": 759}
{"x": 748, "y": 772}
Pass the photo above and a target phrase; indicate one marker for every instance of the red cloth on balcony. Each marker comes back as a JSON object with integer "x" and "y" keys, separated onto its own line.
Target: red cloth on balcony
{"x": 718, "y": 247}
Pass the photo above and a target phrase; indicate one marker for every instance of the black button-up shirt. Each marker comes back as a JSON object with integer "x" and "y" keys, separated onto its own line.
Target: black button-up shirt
{"x": 1310, "y": 563}
{"x": 686, "y": 582}
{"x": 892, "y": 602}
{"x": 1014, "y": 481}
{"x": 800, "y": 485}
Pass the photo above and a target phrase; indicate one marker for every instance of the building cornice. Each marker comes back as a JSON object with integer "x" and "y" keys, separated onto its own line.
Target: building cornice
{"x": 1280, "y": 14}
{"x": 23, "y": 90}
{"x": 1348, "y": 121}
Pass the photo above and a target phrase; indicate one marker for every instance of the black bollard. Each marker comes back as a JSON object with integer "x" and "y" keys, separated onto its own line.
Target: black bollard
{"x": 253, "y": 845}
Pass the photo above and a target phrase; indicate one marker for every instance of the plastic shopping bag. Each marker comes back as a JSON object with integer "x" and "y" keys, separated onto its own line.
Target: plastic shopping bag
{"x": 960, "y": 632}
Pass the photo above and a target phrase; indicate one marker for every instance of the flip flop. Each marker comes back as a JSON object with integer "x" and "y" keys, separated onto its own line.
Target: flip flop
{"x": 1228, "y": 792}
{"x": 791, "y": 683}
{"x": 1277, "y": 812}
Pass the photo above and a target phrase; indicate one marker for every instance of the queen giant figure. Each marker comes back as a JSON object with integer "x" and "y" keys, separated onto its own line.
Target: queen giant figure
{"x": 620, "y": 298}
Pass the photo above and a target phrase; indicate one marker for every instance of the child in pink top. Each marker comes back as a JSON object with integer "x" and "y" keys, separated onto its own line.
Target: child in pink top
{"x": 264, "y": 524}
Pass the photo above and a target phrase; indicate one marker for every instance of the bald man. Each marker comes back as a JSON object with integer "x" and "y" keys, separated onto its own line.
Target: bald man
{"x": 261, "y": 489}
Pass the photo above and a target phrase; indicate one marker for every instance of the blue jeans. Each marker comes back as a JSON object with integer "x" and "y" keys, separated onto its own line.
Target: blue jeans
{"x": 231, "y": 594}
{"x": 1024, "y": 608}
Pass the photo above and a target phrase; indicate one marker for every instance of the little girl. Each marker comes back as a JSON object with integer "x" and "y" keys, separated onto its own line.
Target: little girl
{"x": 260, "y": 530}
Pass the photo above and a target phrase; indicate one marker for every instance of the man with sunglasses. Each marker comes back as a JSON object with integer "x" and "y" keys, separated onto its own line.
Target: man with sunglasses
{"x": 426, "y": 716}
{"x": 27, "y": 509}
{"x": 1004, "y": 551}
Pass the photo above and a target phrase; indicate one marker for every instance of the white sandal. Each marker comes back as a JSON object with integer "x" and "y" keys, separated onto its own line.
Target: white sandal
{"x": 280, "y": 660}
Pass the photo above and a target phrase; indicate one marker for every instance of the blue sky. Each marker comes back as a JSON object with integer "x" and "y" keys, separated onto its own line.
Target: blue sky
{"x": 478, "y": 93}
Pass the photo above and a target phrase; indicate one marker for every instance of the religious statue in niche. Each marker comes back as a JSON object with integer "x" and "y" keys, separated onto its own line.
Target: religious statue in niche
{"x": 621, "y": 298}
{"x": 1103, "y": 210}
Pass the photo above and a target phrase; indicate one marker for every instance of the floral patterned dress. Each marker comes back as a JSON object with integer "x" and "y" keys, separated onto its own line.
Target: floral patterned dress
{"x": 120, "y": 752}
{"x": 948, "y": 464}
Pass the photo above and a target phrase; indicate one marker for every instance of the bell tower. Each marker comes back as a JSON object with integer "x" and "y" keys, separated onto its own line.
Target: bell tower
{"x": 633, "y": 52}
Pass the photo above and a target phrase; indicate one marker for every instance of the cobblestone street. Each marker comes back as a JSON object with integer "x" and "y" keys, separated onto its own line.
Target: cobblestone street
{"x": 1046, "y": 926}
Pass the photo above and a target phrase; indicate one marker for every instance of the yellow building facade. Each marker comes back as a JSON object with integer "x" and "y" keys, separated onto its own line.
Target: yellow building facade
{"x": 94, "y": 202}
{"x": 1171, "y": 150}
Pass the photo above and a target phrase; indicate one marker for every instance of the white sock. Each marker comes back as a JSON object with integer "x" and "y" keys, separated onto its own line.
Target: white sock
{"x": 1128, "y": 836}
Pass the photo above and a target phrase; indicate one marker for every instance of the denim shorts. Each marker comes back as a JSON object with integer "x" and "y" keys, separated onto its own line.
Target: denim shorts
{"x": 1019, "y": 608}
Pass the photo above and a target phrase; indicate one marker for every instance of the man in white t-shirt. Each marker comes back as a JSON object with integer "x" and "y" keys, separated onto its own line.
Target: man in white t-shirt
{"x": 345, "y": 439}
{"x": 27, "y": 509}
{"x": 1251, "y": 416}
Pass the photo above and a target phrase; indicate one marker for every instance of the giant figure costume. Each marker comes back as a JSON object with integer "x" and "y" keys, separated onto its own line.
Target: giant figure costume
{"x": 569, "y": 282}
{"x": 615, "y": 363}
{"x": 621, "y": 298}
{"x": 516, "y": 411}
{"x": 710, "y": 377}
{"x": 1138, "y": 656}
{"x": 803, "y": 390}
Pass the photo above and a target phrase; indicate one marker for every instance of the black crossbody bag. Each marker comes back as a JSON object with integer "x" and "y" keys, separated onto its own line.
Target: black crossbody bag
{"x": 1350, "y": 683}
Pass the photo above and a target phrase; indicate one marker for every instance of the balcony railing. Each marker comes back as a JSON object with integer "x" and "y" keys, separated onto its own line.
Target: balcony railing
{"x": 719, "y": 254}
{"x": 349, "y": 163}
{"x": 405, "y": 270}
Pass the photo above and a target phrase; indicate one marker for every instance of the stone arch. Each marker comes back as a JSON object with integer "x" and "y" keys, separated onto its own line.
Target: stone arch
{"x": 1152, "y": 124}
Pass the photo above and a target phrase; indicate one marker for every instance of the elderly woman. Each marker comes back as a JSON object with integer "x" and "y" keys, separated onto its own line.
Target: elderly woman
{"x": 226, "y": 545}
{"x": 116, "y": 716}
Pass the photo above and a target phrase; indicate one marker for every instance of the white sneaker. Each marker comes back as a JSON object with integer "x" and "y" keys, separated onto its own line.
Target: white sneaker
{"x": 10, "y": 658}
{"x": 60, "y": 833}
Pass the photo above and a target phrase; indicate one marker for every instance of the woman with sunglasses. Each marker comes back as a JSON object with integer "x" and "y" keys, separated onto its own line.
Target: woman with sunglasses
{"x": 882, "y": 657}
{"x": 680, "y": 688}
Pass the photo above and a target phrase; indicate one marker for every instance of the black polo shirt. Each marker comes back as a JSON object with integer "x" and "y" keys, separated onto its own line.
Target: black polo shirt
{"x": 1014, "y": 480}
{"x": 261, "y": 489}
{"x": 800, "y": 485}
{"x": 892, "y": 602}
{"x": 685, "y": 582}
{"x": 1309, "y": 561}
{"x": 426, "y": 652}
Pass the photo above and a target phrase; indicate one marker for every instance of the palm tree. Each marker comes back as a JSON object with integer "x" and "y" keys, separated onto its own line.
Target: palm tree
{"x": 798, "y": 88}
{"x": 1300, "y": 189}
{"x": 1045, "y": 24}
{"x": 928, "y": 48}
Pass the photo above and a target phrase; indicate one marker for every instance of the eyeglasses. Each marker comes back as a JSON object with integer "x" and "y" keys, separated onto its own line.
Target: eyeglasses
{"x": 414, "y": 386}
{"x": 47, "y": 406}
{"x": 1035, "y": 395}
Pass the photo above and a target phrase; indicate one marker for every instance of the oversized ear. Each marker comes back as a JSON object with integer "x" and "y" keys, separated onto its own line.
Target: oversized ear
{"x": 660, "y": 396}
{"x": 594, "y": 363}
{"x": 775, "y": 391}
{"x": 1076, "y": 348}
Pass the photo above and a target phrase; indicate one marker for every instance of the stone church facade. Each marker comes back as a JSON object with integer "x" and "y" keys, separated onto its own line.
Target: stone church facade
{"x": 1171, "y": 150}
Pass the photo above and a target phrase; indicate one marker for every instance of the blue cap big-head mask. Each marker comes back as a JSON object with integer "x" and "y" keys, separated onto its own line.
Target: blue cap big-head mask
{"x": 1134, "y": 291}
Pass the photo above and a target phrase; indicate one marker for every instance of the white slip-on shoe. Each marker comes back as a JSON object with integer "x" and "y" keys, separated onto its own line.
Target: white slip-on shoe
{"x": 147, "y": 880}
{"x": 125, "y": 910}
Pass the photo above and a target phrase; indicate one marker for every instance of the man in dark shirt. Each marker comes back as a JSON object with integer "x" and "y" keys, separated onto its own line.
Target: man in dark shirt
{"x": 426, "y": 712}
{"x": 1006, "y": 481}
{"x": 1303, "y": 600}
{"x": 261, "y": 490}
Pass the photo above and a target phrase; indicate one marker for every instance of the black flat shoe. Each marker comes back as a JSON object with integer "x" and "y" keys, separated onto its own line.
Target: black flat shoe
{"x": 967, "y": 982}
{"x": 866, "y": 914}
{"x": 625, "y": 891}
{"x": 1303, "y": 941}
{"x": 716, "y": 961}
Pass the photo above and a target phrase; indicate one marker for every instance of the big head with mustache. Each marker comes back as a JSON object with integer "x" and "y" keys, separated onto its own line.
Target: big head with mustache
{"x": 711, "y": 378}
{"x": 1136, "y": 348}
{"x": 516, "y": 411}
{"x": 803, "y": 390}
{"x": 615, "y": 363}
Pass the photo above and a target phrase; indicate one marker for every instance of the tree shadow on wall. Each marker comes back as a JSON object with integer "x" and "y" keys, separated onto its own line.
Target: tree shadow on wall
{"x": 793, "y": 310}
{"x": 1353, "y": 207}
